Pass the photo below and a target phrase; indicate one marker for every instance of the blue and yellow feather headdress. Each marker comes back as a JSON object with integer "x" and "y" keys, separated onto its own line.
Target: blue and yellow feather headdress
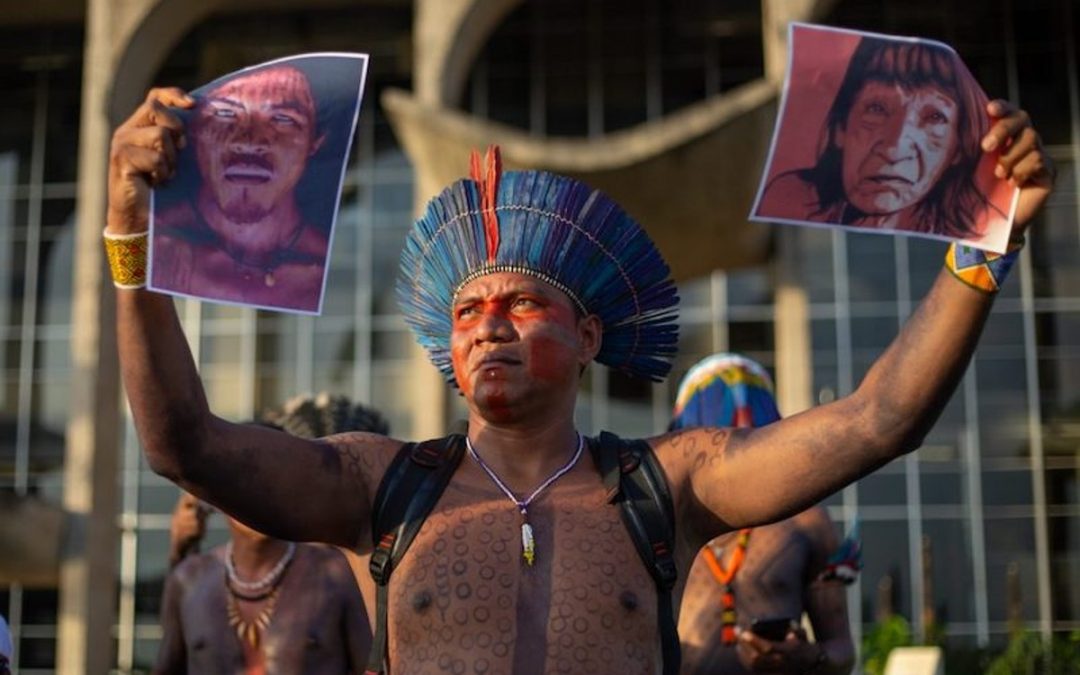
{"x": 553, "y": 228}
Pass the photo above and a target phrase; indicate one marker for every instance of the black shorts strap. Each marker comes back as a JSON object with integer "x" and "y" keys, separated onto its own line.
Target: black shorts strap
{"x": 636, "y": 482}
{"x": 409, "y": 490}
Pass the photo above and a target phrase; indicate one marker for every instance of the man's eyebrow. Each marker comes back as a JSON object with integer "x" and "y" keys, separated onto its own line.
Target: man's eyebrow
{"x": 466, "y": 299}
{"x": 226, "y": 100}
{"x": 295, "y": 106}
{"x": 525, "y": 289}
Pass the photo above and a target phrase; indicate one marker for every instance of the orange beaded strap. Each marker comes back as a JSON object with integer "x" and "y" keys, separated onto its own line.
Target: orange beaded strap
{"x": 725, "y": 577}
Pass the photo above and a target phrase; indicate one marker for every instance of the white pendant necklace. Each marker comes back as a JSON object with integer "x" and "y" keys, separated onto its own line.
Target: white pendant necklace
{"x": 528, "y": 543}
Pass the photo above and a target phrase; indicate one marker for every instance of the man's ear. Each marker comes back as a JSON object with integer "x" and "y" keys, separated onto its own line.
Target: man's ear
{"x": 591, "y": 334}
{"x": 316, "y": 145}
{"x": 838, "y": 137}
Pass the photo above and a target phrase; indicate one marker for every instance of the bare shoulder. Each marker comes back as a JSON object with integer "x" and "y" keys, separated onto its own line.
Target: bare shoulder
{"x": 193, "y": 568}
{"x": 329, "y": 562}
{"x": 789, "y": 195}
{"x": 364, "y": 455}
{"x": 816, "y": 525}
{"x": 687, "y": 450}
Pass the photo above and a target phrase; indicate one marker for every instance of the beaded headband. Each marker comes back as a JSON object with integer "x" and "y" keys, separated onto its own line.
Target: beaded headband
{"x": 555, "y": 229}
{"x": 725, "y": 390}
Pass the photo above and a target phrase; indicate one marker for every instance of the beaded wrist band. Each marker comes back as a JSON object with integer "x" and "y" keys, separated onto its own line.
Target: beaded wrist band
{"x": 982, "y": 270}
{"x": 127, "y": 258}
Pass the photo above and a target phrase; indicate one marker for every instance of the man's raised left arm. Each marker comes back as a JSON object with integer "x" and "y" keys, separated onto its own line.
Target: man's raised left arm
{"x": 727, "y": 478}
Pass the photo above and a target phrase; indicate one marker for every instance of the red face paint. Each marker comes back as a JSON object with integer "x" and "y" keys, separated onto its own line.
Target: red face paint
{"x": 551, "y": 360}
{"x": 513, "y": 339}
{"x": 459, "y": 357}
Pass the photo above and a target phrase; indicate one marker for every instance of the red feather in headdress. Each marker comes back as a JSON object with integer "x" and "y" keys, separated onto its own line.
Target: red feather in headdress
{"x": 489, "y": 189}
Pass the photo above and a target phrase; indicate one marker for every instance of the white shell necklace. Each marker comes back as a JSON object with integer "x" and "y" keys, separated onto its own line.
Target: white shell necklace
{"x": 528, "y": 544}
{"x": 259, "y": 586}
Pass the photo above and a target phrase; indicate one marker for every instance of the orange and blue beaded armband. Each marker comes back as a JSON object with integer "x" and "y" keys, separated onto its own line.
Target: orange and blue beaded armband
{"x": 982, "y": 270}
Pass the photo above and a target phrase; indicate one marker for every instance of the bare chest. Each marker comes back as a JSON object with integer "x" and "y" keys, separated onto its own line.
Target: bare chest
{"x": 464, "y": 600}
{"x": 285, "y": 283}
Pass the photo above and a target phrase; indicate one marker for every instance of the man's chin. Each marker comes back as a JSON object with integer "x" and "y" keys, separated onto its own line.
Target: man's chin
{"x": 245, "y": 213}
{"x": 880, "y": 208}
{"x": 495, "y": 402}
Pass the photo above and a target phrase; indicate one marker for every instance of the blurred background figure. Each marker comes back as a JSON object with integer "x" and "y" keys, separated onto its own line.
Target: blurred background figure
{"x": 6, "y": 648}
{"x": 259, "y": 604}
{"x": 765, "y": 577}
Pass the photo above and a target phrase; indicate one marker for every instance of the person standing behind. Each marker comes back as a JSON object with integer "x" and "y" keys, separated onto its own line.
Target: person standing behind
{"x": 259, "y": 604}
{"x": 6, "y": 648}
{"x": 773, "y": 571}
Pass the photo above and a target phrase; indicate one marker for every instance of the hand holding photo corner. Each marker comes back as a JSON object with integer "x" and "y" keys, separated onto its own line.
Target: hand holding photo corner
{"x": 249, "y": 217}
{"x": 884, "y": 134}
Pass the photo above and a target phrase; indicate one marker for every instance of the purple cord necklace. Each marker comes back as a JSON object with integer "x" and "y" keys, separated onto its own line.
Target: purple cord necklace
{"x": 528, "y": 544}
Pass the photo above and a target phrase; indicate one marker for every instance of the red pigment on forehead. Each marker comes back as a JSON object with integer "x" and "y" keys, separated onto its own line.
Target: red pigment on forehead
{"x": 283, "y": 84}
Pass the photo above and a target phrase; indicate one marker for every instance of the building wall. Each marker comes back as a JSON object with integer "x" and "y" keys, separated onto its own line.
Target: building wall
{"x": 994, "y": 488}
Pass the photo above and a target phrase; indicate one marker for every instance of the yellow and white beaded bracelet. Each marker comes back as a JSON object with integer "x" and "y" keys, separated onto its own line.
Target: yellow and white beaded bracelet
{"x": 127, "y": 258}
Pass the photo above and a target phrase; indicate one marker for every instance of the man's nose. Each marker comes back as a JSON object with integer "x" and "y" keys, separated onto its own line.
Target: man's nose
{"x": 495, "y": 326}
{"x": 898, "y": 137}
{"x": 250, "y": 135}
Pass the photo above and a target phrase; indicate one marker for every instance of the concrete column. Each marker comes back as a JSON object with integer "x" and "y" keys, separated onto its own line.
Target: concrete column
{"x": 775, "y": 17}
{"x": 88, "y": 568}
{"x": 447, "y": 36}
{"x": 125, "y": 42}
{"x": 794, "y": 357}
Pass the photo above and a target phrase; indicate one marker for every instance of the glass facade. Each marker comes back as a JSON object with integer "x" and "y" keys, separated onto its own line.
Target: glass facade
{"x": 994, "y": 489}
{"x": 41, "y": 75}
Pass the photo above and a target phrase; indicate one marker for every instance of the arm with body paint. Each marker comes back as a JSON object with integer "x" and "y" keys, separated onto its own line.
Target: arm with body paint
{"x": 287, "y": 487}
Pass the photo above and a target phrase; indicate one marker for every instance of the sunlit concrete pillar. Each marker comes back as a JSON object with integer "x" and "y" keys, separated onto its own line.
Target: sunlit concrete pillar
{"x": 794, "y": 356}
{"x": 447, "y": 36}
{"x": 126, "y": 41}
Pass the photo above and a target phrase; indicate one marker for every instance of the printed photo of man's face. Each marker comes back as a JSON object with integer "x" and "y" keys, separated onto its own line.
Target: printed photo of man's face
{"x": 253, "y": 137}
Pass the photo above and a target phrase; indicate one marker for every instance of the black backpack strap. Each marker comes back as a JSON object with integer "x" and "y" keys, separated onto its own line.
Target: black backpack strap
{"x": 635, "y": 480}
{"x": 408, "y": 492}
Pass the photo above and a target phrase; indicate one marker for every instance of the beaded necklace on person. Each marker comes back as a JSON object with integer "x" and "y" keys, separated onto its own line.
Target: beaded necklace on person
{"x": 528, "y": 543}
{"x": 265, "y": 588}
{"x": 725, "y": 576}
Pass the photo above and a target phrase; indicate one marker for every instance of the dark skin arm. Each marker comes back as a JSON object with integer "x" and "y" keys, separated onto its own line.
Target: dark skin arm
{"x": 826, "y": 606}
{"x": 727, "y": 479}
{"x": 287, "y": 487}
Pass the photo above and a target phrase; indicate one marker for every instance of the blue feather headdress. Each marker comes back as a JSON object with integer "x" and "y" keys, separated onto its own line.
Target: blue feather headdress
{"x": 555, "y": 229}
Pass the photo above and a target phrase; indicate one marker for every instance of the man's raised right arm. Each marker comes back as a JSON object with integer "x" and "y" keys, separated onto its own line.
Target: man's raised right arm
{"x": 281, "y": 485}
